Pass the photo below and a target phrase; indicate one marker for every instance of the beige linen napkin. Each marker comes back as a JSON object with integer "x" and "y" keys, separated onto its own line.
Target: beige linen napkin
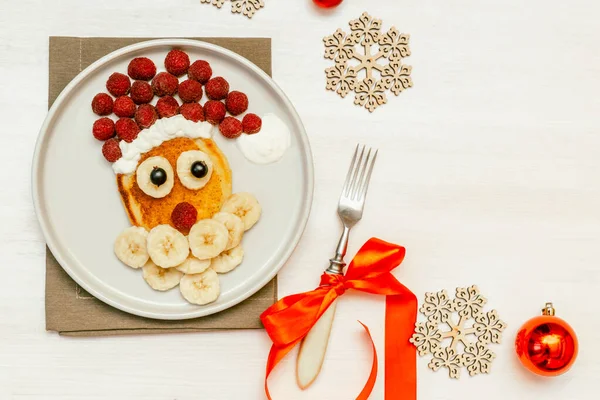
{"x": 70, "y": 310}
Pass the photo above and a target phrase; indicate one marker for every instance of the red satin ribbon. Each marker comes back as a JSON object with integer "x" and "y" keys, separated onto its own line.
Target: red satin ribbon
{"x": 290, "y": 319}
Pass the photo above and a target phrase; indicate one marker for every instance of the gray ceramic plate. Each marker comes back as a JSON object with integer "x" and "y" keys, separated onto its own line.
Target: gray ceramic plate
{"x": 80, "y": 211}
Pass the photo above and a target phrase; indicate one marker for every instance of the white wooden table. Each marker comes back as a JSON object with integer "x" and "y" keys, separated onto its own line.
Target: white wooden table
{"x": 488, "y": 175}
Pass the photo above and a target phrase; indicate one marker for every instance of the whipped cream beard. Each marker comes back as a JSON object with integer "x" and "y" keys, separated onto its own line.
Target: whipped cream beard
{"x": 161, "y": 131}
{"x": 269, "y": 144}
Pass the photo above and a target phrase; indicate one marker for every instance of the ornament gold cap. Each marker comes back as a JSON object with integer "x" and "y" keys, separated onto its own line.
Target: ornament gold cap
{"x": 548, "y": 310}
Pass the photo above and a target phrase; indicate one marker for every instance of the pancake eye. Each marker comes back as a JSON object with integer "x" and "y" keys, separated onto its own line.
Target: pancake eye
{"x": 155, "y": 177}
{"x": 194, "y": 169}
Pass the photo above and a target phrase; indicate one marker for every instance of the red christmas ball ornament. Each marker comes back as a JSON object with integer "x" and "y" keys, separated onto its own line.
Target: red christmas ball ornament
{"x": 328, "y": 3}
{"x": 547, "y": 345}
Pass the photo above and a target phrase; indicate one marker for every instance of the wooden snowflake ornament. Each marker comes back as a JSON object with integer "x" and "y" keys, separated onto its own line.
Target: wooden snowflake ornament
{"x": 246, "y": 7}
{"x": 356, "y": 55}
{"x": 467, "y": 339}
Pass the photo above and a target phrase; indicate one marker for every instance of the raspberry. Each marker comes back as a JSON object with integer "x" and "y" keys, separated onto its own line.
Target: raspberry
{"x": 111, "y": 150}
{"x": 102, "y": 104}
{"x": 141, "y": 68}
{"x": 200, "y": 71}
{"x": 190, "y": 91}
{"x": 184, "y": 216}
{"x": 167, "y": 106}
{"x": 145, "y": 116}
{"x": 177, "y": 62}
{"x": 141, "y": 92}
{"x": 217, "y": 88}
{"x": 118, "y": 84}
{"x": 236, "y": 103}
{"x": 124, "y": 107}
{"x": 164, "y": 84}
{"x": 104, "y": 128}
{"x": 231, "y": 127}
{"x": 214, "y": 111}
{"x": 251, "y": 123}
{"x": 127, "y": 129}
{"x": 192, "y": 111}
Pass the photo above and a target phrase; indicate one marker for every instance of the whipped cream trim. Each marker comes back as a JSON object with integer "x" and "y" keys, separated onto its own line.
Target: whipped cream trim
{"x": 161, "y": 131}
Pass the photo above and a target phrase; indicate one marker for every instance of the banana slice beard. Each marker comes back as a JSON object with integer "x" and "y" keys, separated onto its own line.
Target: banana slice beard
{"x": 194, "y": 266}
{"x": 228, "y": 260}
{"x": 208, "y": 238}
{"x": 130, "y": 247}
{"x": 234, "y": 225}
{"x": 161, "y": 279}
{"x": 167, "y": 246}
{"x": 201, "y": 288}
{"x": 245, "y": 206}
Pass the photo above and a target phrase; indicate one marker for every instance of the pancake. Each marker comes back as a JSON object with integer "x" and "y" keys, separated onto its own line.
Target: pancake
{"x": 148, "y": 212}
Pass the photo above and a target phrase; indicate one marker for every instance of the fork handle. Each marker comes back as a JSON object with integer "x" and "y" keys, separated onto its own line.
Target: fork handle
{"x": 314, "y": 345}
{"x": 313, "y": 348}
{"x": 337, "y": 264}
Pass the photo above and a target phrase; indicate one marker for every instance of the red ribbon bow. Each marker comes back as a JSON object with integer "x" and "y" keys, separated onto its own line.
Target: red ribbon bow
{"x": 290, "y": 319}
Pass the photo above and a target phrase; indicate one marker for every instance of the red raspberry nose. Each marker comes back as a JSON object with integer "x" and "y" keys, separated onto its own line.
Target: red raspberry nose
{"x": 184, "y": 216}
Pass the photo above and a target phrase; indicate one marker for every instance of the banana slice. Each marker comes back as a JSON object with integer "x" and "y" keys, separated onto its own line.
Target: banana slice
{"x": 193, "y": 266}
{"x": 167, "y": 246}
{"x": 130, "y": 247}
{"x": 227, "y": 260}
{"x": 155, "y": 177}
{"x": 201, "y": 288}
{"x": 234, "y": 225}
{"x": 208, "y": 238}
{"x": 161, "y": 279}
{"x": 194, "y": 169}
{"x": 245, "y": 206}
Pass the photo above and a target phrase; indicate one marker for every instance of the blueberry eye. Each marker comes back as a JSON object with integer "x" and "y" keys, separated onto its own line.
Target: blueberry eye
{"x": 155, "y": 177}
{"x": 158, "y": 176}
{"x": 199, "y": 169}
{"x": 194, "y": 169}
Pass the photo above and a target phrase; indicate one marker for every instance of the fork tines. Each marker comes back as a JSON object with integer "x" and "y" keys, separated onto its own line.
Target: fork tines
{"x": 359, "y": 174}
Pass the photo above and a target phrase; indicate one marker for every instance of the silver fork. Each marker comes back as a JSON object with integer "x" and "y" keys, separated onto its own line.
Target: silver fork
{"x": 352, "y": 202}
{"x": 350, "y": 210}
